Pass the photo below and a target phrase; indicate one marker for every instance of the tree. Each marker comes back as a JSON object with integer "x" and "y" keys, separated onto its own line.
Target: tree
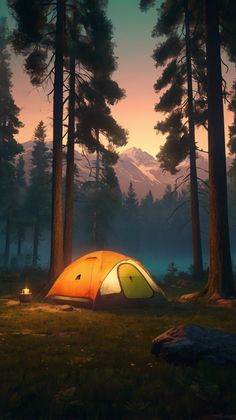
{"x": 94, "y": 93}
{"x": 232, "y": 150}
{"x": 131, "y": 220}
{"x": 43, "y": 39}
{"x": 220, "y": 280}
{"x": 147, "y": 221}
{"x": 232, "y": 128}
{"x": 147, "y": 201}
{"x": 9, "y": 148}
{"x": 20, "y": 219}
{"x": 70, "y": 164}
{"x": 131, "y": 202}
{"x": 40, "y": 36}
{"x": 196, "y": 233}
{"x": 100, "y": 208}
{"x": 38, "y": 195}
{"x": 57, "y": 263}
{"x": 178, "y": 54}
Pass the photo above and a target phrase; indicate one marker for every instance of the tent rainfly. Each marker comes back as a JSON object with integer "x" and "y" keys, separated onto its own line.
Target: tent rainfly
{"x": 106, "y": 278}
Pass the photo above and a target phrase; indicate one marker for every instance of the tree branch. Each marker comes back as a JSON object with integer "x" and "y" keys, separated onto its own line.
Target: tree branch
{"x": 177, "y": 208}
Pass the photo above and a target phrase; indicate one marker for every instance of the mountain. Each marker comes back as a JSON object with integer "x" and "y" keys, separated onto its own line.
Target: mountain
{"x": 144, "y": 171}
{"x": 134, "y": 165}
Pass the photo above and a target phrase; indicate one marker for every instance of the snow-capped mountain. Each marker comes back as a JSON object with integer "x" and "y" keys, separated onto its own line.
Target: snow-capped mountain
{"x": 134, "y": 165}
{"x": 144, "y": 171}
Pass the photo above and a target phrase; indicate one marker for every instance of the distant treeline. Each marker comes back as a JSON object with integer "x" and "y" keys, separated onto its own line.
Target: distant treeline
{"x": 104, "y": 218}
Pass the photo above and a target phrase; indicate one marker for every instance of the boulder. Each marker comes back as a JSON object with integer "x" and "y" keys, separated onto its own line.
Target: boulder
{"x": 188, "y": 344}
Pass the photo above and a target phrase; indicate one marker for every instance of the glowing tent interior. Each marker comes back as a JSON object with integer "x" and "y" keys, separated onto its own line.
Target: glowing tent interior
{"x": 104, "y": 278}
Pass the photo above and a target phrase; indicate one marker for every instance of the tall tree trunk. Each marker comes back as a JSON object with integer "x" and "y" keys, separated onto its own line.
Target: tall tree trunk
{"x": 196, "y": 232}
{"x": 220, "y": 280}
{"x": 68, "y": 226}
{"x": 97, "y": 175}
{"x": 35, "y": 244}
{"x": 97, "y": 165}
{"x": 57, "y": 259}
{"x": 7, "y": 242}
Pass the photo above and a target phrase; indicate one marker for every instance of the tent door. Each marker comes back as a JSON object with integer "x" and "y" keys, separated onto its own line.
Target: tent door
{"x": 133, "y": 282}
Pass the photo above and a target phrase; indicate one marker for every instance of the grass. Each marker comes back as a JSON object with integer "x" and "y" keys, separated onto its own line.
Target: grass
{"x": 98, "y": 365}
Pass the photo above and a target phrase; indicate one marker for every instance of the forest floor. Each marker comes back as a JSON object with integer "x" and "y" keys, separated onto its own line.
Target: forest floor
{"x": 98, "y": 365}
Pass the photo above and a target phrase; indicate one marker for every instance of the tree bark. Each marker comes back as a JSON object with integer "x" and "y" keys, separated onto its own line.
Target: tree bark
{"x": 68, "y": 226}
{"x": 220, "y": 280}
{"x": 196, "y": 232}
{"x": 7, "y": 242}
{"x": 57, "y": 259}
{"x": 97, "y": 176}
{"x": 35, "y": 245}
{"x": 97, "y": 167}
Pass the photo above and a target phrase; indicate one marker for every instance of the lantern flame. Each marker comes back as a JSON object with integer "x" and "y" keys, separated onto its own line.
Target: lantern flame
{"x": 25, "y": 291}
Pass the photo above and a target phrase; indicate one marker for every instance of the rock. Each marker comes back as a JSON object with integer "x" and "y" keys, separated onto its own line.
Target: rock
{"x": 12, "y": 302}
{"x": 188, "y": 344}
{"x": 66, "y": 308}
{"x": 226, "y": 303}
{"x": 188, "y": 298}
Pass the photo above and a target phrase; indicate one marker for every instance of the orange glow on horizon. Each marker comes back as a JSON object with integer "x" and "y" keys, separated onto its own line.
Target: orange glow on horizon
{"x": 135, "y": 112}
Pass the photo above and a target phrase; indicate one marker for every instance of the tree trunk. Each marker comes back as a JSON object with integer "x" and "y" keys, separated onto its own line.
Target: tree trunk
{"x": 57, "y": 260}
{"x": 68, "y": 226}
{"x": 35, "y": 245}
{"x": 97, "y": 175}
{"x": 196, "y": 232}
{"x": 97, "y": 168}
{"x": 7, "y": 242}
{"x": 220, "y": 280}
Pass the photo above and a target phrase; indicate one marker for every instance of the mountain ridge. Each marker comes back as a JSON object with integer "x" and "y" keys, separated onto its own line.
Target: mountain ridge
{"x": 134, "y": 165}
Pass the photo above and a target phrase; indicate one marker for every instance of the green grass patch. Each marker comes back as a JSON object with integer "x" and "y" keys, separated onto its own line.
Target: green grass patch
{"x": 98, "y": 365}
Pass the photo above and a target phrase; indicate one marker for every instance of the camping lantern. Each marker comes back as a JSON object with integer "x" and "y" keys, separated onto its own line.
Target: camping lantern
{"x": 25, "y": 295}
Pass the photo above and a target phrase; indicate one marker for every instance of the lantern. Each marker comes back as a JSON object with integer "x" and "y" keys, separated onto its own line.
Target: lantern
{"x": 25, "y": 295}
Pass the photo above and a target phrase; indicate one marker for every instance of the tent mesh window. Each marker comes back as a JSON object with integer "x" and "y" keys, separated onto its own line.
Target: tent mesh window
{"x": 133, "y": 282}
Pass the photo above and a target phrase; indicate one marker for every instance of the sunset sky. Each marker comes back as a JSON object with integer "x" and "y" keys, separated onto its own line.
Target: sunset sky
{"x": 136, "y": 74}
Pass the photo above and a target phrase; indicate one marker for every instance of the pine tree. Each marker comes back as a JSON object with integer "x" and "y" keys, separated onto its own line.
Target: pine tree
{"x": 218, "y": 15}
{"x": 131, "y": 202}
{"x": 9, "y": 148}
{"x": 95, "y": 124}
{"x": 220, "y": 280}
{"x": 147, "y": 222}
{"x": 131, "y": 220}
{"x": 45, "y": 40}
{"x": 39, "y": 190}
{"x": 20, "y": 219}
{"x": 147, "y": 201}
{"x": 180, "y": 56}
{"x": 40, "y": 36}
{"x": 70, "y": 164}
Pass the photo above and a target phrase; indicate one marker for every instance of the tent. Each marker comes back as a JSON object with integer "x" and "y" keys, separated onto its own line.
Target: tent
{"x": 104, "y": 278}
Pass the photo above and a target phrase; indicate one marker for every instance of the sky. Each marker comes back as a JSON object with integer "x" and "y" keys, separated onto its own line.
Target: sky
{"x": 136, "y": 73}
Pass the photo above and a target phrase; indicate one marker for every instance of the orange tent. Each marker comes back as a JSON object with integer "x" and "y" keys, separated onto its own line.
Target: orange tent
{"x": 105, "y": 277}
